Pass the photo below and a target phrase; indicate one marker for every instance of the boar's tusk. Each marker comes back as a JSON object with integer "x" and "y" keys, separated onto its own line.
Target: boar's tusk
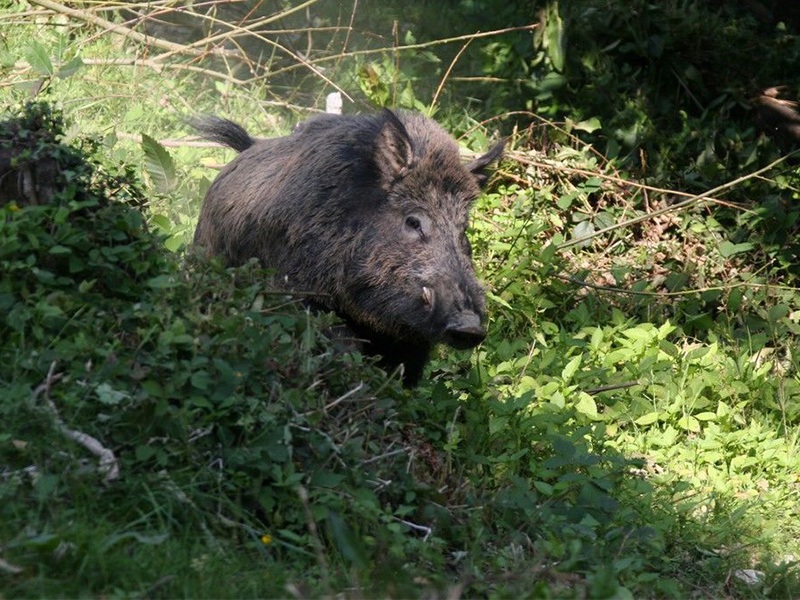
{"x": 427, "y": 295}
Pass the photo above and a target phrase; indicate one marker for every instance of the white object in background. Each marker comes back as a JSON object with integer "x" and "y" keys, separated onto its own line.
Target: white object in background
{"x": 333, "y": 103}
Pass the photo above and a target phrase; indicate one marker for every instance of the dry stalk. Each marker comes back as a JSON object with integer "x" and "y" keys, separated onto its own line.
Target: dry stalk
{"x": 616, "y": 179}
{"x": 688, "y": 292}
{"x": 312, "y": 530}
{"x": 236, "y": 30}
{"x": 694, "y": 199}
{"x": 158, "y": 67}
{"x": 426, "y": 530}
{"x": 398, "y": 48}
{"x": 88, "y": 17}
{"x": 9, "y": 569}
{"x": 448, "y": 71}
{"x": 344, "y": 397}
{"x": 108, "y": 464}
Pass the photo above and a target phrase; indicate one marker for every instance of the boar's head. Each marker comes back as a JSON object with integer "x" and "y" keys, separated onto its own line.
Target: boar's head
{"x": 411, "y": 279}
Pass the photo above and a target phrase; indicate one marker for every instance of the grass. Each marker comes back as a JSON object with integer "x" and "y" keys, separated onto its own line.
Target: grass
{"x": 628, "y": 429}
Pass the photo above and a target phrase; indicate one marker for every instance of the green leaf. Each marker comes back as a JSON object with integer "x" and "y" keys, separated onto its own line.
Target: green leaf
{"x": 735, "y": 299}
{"x": 592, "y": 184}
{"x": 498, "y": 424}
{"x": 348, "y": 543}
{"x": 584, "y": 229}
{"x": 86, "y": 285}
{"x": 586, "y": 405}
{"x": 728, "y": 249}
{"x": 69, "y": 68}
{"x": 327, "y": 479}
{"x": 159, "y": 164}
{"x": 497, "y": 299}
{"x": 200, "y": 380}
{"x": 778, "y": 312}
{"x": 152, "y": 388}
{"x": 39, "y": 59}
{"x": 565, "y": 201}
{"x": 589, "y": 125}
{"x": 647, "y": 419}
{"x": 200, "y": 402}
{"x": 569, "y": 370}
{"x": 706, "y": 416}
{"x": 162, "y": 222}
{"x": 108, "y": 395}
{"x": 640, "y": 334}
{"x": 162, "y": 282}
{"x": 554, "y": 37}
{"x": 148, "y": 539}
{"x": 43, "y": 541}
{"x": 144, "y": 452}
{"x": 689, "y": 423}
{"x": 46, "y": 485}
{"x": 174, "y": 243}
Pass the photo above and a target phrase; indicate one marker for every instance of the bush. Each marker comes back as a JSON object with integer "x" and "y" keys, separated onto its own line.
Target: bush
{"x": 225, "y": 408}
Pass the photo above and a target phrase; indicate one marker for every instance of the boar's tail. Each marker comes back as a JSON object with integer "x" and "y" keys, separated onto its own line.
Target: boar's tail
{"x": 222, "y": 131}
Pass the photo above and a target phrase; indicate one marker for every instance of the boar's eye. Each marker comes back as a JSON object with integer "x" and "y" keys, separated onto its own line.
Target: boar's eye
{"x": 416, "y": 226}
{"x": 413, "y": 222}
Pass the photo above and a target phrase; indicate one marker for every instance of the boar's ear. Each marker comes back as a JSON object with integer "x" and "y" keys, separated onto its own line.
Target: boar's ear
{"x": 394, "y": 152}
{"x": 478, "y": 166}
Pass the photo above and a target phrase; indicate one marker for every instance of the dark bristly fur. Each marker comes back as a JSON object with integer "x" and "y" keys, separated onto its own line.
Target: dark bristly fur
{"x": 370, "y": 211}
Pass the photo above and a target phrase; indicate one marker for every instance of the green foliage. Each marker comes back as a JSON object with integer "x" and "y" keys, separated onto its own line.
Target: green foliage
{"x": 220, "y": 400}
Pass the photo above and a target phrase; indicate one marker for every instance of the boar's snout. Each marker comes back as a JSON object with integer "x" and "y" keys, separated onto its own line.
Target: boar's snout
{"x": 464, "y": 331}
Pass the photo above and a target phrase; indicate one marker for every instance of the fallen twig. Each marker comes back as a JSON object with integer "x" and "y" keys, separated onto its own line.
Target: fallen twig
{"x": 427, "y": 530}
{"x": 7, "y": 567}
{"x": 108, "y": 465}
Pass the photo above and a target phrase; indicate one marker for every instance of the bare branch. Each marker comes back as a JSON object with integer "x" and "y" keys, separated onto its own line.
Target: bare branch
{"x": 88, "y": 17}
{"x": 108, "y": 465}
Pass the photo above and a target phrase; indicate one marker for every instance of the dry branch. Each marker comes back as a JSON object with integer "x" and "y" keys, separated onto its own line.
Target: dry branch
{"x": 236, "y": 30}
{"x": 108, "y": 465}
{"x": 419, "y": 46}
{"x": 709, "y": 195}
{"x": 88, "y": 17}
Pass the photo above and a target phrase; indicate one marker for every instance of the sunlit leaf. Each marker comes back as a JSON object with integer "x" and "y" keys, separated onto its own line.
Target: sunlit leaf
{"x": 39, "y": 59}
{"x": 159, "y": 164}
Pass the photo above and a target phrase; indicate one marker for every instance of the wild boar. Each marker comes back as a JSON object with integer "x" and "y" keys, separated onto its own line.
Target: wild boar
{"x": 370, "y": 212}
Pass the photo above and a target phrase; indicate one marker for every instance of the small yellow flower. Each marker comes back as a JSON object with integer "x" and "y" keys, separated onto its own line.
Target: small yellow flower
{"x": 266, "y": 539}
